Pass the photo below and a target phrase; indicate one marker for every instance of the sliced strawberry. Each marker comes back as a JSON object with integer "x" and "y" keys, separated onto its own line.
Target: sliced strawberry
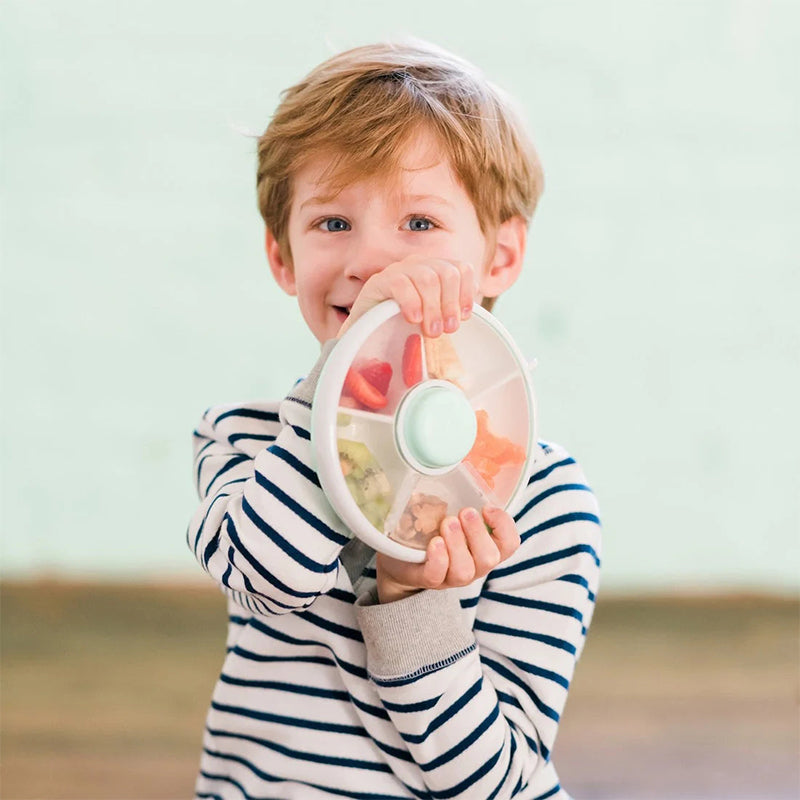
{"x": 378, "y": 373}
{"x": 412, "y": 360}
{"x": 360, "y": 389}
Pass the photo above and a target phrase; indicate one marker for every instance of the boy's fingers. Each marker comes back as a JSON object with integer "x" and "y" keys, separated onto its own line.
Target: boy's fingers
{"x": 504, "y": 530}
{"x": 434, "y": 568}
{"x": 485, "y": 552}
{"x": 468, "y": 288}
{"x": 428, "y": 285}
{"x": 462, "y": 566}
{"x": 450, "y": 278}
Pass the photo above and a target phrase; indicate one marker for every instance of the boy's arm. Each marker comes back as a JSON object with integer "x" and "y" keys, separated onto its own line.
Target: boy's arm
{"x": 479, "y": 707}
{"x": 264, "y": 529}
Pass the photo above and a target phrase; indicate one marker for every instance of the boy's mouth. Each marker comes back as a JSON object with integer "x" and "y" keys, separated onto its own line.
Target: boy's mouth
{"x": 343, "y": 312}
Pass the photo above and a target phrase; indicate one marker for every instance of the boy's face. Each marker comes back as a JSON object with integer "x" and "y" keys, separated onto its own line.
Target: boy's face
{"x": 338, "y": 243}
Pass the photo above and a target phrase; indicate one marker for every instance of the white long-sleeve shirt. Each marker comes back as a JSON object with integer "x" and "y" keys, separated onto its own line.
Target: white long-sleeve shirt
{"x": 326, "y": 693}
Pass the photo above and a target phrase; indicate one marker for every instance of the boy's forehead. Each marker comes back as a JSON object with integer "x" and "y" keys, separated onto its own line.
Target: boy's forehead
{"x": 421, "y": 172}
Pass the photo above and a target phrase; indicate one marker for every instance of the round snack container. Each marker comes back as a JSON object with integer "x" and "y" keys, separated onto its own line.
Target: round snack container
{"x": 407, "y": 429}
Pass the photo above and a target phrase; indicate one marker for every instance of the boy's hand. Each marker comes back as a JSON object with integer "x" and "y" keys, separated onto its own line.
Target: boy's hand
{"x": 465, "y": 551}
{"x": 433, "y": 291}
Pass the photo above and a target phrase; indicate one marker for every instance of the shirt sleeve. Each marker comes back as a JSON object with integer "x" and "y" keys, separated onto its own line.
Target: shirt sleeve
{"x": 264, "y": 528}
{"x": 478, "y": 704}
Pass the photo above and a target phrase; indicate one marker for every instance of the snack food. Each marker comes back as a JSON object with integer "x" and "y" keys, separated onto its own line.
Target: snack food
{"x": 366, "y": 481}
{"x": 421, "y": 519}
{"x": 491, "y": 453}
{"x": 368, "y": 384}
{"x": 442, "y": 360}
{"x": 412, "y": 360}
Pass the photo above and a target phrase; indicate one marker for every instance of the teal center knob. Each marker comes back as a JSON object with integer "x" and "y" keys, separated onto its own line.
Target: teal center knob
{"x": 439, "y": 426}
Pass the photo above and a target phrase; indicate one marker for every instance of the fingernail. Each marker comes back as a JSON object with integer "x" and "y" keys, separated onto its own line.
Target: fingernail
{"x": 436, "y": 327}
{"x": 450, "y": 324}
{"x": 466, "y": 311}
{"x": 454, "y": 526}
{"x": 416, "y": 316}
{"x": 470, "y": 514}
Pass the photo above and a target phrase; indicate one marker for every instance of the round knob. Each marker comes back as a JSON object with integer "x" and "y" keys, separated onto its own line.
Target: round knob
{"x": 439, "y": 425}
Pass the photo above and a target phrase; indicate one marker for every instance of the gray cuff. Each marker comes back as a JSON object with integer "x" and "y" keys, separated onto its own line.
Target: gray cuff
{"x": 413, "y": 636}
{"x": 303, "y": 391}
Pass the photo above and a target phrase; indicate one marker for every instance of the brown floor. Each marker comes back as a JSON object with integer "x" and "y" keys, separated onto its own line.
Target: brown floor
{"x": 104, "y": 692}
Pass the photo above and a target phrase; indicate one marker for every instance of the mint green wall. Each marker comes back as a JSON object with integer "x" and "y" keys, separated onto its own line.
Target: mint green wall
{"x": 659, "y": 293}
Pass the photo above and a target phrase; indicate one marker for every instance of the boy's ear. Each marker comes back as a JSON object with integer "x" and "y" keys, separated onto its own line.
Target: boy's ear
{"x": 505, "y": 263}
{"x": 281, "y": 267}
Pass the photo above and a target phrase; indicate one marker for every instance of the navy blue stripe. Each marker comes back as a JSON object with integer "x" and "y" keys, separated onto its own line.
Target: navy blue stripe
{"x": 509, "y": 699}
{"x": 465, "y": 743}
{"x": 404, "y": 708}
{"x": 230, "y": 483}
{"x": 264, "y": 776}
{"x": 281, "y": 686}
{"x": 469, "y": 602}
{"x": 565, "y": 487}
{"x": 294, "y": 722}
{"x": 333, "y": 627}
{"x": 260, "y": 658}
{"x": 514, "y": 678}
{"x": 580, "y": 581}
{"x": 553, "y": 641}
{"x": 545, "y": 472}
{"x": 233, "y": 534}
{"x": 296, "y": 555}
{"x": 341, "y": 594}
{"x": 297, "y": 465}
{"x": 232, "y": 462}
{"x": 227, "y": 574}
{"x": 302, "y": 432}
{"x": 375, "y": 711}
{"x": 306, "y": 516}
{"x": 555, "y": 790}
{"x": 540, "y": 672}
{"x": 260, "y": 625}
{"x": 563, "y": 519}
{"x": 512, "y": 751}
{"x": 337, "y": 761}
{"x": 546, "y": 559}
{"x": 203, "y": 523}
{"x": 249, "y": 413}
{"x": 395, "y": 752}
{"x": 539, "y": 605}
{"x": 447, "y": 714}
{"x": 257, "y": 437}
{"x": 470, "y": 780}
{"x": 205, "y": 446}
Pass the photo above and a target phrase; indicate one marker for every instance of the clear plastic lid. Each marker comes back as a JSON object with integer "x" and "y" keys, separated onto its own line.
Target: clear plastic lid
{"x": 408, "y": 430}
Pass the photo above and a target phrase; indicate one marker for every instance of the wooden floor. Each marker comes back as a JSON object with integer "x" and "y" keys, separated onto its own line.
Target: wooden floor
{"x": 104, "y": 692}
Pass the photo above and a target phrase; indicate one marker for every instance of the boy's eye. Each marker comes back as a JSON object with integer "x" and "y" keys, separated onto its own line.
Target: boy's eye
{"x": 334, "y": 225}
{"x": 420, "y": 224}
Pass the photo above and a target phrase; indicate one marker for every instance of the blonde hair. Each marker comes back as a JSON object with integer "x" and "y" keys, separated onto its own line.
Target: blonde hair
{"x": 363, "y": 106}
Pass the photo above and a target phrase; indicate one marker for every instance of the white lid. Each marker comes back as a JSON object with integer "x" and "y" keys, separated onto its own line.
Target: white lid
{"x": 407, "y": 430}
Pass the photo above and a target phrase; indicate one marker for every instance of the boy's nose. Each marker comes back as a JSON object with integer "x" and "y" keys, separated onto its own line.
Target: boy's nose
{"x": 370, "y": 257}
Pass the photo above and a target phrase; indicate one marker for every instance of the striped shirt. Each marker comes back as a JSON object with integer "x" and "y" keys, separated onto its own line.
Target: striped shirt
{"x": 326, "y": 693}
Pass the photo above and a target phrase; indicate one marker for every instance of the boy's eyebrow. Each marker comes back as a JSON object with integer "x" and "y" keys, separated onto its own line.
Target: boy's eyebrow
{"x": 428, "y": 198}
{"x": 317, "y": 200}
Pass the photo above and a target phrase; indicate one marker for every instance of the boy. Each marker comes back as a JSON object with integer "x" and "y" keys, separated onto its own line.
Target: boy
{"x": 389, "y": 172}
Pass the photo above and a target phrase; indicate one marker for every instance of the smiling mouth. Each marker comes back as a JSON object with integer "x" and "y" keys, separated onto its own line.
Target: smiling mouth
{"x": 343, "y": 310}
